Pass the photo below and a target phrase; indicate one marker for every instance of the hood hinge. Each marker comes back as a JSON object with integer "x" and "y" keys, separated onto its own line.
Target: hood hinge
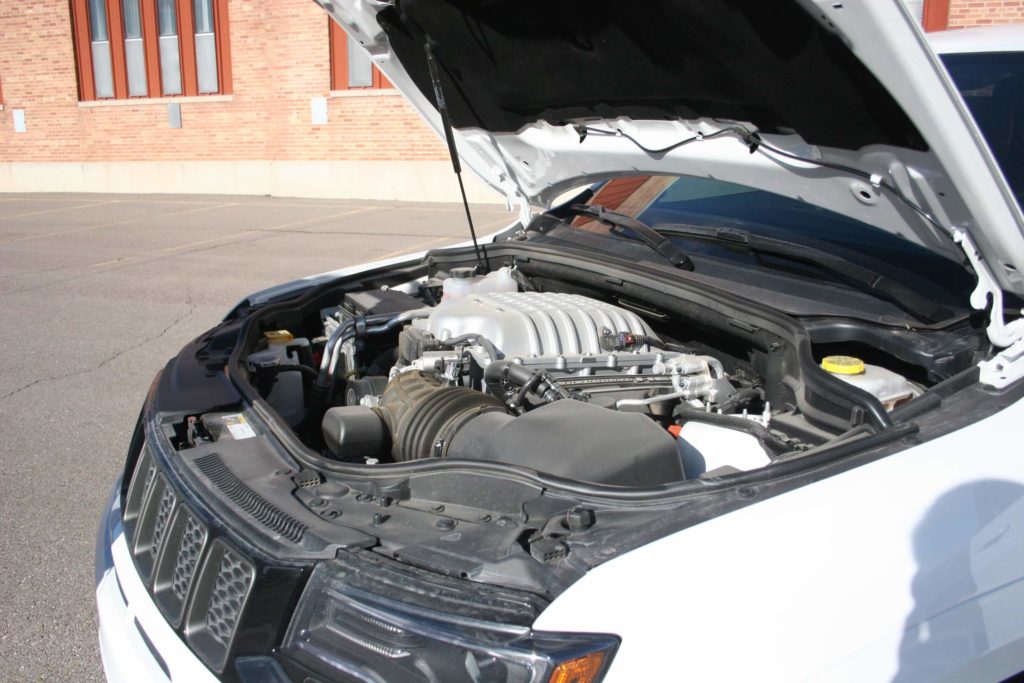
{"x": 514, "y": 200}
{"x": 1007, "y": 366}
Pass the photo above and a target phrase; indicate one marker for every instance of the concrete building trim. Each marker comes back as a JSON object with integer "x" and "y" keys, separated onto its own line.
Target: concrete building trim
{"x": 377, "y": 180}
{"x": 366, "y": 93}
{"x": 144, "y": 101}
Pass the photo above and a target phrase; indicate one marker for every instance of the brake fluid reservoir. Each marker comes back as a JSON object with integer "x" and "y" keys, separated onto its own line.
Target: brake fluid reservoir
{"x": 888, "y": 387}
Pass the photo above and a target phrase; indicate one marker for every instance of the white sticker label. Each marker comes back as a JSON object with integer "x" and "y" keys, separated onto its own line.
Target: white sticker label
{"x": 239, "y": 427}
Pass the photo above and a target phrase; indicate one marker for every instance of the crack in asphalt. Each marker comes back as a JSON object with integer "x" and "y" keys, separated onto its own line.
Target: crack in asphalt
{"x": 111, "y": 358}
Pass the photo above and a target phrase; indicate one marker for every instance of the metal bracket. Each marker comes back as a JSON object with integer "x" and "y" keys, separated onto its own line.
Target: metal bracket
{"x": 1007, "y": 366}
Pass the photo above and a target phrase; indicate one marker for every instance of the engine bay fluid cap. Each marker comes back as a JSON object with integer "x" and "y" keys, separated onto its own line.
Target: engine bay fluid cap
{"x": 842, "y": 365}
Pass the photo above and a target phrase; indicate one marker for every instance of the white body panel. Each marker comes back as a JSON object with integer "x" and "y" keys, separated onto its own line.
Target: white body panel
{"x": 889, "y": 571}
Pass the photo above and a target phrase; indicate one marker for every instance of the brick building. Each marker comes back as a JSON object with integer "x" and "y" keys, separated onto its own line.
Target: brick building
{"x": 230, "y": 96}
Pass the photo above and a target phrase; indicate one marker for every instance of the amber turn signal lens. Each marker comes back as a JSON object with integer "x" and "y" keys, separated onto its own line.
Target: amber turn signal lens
{"x": 583, "y": 669}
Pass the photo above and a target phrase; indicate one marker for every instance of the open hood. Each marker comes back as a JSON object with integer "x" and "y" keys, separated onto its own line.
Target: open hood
{"x": 547, "y": 95}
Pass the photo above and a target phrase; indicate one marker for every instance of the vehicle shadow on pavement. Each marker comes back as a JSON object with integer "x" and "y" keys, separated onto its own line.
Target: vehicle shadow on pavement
{"x": 968, "y": 593}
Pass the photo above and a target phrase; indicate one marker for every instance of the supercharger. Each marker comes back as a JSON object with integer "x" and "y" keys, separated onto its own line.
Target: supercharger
{"x": 594, "y": 350}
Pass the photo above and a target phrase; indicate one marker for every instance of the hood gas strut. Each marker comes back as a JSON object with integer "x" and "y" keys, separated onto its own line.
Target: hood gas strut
{"x": 449, "y": 136}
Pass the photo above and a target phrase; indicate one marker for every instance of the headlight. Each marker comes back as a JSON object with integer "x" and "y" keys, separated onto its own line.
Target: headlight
{"x": 429, "y": 629}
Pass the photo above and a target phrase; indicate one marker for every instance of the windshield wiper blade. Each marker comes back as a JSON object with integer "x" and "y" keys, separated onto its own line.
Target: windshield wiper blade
{"x": 861, "y": 277}
{"x": 647, "y": 235}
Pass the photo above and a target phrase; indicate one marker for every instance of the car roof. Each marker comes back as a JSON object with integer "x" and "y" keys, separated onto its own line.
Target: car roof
{"x": 1001, "y": 38}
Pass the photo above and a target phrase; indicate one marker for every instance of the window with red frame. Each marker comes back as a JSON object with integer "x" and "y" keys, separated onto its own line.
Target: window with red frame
{"x": 351, "y": 66}
{"x": 151, "y": 48}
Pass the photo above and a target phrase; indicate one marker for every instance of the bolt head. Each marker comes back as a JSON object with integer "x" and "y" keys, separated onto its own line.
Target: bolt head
{"x": 580, "y": 518}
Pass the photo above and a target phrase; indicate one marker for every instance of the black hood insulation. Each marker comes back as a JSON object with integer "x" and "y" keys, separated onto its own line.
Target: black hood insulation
{"x": 509, "y": 63}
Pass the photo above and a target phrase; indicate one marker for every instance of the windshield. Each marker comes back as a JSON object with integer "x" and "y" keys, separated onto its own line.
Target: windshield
{"x": 671, "y": 203}
{"x": 992, "y": 85}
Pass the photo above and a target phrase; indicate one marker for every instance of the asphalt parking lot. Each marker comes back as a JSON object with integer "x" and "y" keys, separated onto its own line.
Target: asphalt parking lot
{"x": 96, "y": 293}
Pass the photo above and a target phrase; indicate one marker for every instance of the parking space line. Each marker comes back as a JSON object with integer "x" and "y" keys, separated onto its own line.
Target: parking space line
{"x": 86, "y": 228}
{"x": 307, "y": 221}
{"x": 423, "y": 245}
{"x": 44, "y": 198}
{"x": 223, "y": 238}
{"x": 414, "y": 248}
{"x": 63, "y": 208}
{"x": 168, "y": 250}
{"x": 120, "y": 199}
{"x": 273, "y": 202}
{"x": 255, "y": 235}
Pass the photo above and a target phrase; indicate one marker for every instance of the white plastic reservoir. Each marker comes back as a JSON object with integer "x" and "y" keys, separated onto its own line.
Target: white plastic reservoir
{"x": 888, "y": 387}
{"x": 704, "y": 447}
{"x": 462, "y": 283}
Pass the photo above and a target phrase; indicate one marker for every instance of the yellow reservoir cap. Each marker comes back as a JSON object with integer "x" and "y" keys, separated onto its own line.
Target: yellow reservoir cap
{"x": 843, "y": 365}
{"x": 278, "y": 336}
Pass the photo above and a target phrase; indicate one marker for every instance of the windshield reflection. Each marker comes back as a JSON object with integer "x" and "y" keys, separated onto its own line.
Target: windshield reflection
{"x": 663, "y": 201}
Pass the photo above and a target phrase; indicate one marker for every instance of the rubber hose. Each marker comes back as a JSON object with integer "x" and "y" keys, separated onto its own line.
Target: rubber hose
{"x": 488, "y": 345}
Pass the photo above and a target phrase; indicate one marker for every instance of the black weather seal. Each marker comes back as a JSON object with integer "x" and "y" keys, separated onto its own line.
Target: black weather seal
{"x": 659, "y": 243}
{"x": 864, "y": 279}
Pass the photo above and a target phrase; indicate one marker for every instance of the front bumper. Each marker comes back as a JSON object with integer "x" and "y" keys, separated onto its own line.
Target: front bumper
{"x": 136, "y": 642}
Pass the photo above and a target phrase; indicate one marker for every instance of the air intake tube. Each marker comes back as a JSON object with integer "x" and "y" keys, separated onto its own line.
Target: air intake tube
{"x": 423, "y": 416}
{"x": 416, "y": 415}
{"x": 419, "y": 418}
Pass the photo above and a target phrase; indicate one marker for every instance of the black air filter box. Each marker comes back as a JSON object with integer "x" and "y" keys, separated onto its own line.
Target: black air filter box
{"x": 575, "y": 440}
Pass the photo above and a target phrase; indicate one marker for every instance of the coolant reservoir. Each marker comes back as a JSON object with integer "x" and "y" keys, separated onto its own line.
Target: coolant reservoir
{"x": 463, "y": 283}
{"x": 499, "y": 280}
{"x": 458, "y": 285}
{"x": 887, "y": 386}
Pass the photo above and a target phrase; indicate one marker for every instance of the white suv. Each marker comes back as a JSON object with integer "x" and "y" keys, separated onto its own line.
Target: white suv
{"x": 746, "y": 406}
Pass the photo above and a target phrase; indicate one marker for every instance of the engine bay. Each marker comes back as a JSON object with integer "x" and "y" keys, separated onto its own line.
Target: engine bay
{"x": 522, "y": 370}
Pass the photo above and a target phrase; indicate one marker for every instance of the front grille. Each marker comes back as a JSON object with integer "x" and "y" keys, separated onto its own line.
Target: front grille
{"x": 176, "y": 568}
{"x": 163, "y": 515}
{"x": 145, "y": 475}
{"x": 157, "y": 506}
{"x": 192, "y": 540}
{"x": 222, "y": 589}
{"x": 199, "y": 583}
{"x": 226, "y": 599}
